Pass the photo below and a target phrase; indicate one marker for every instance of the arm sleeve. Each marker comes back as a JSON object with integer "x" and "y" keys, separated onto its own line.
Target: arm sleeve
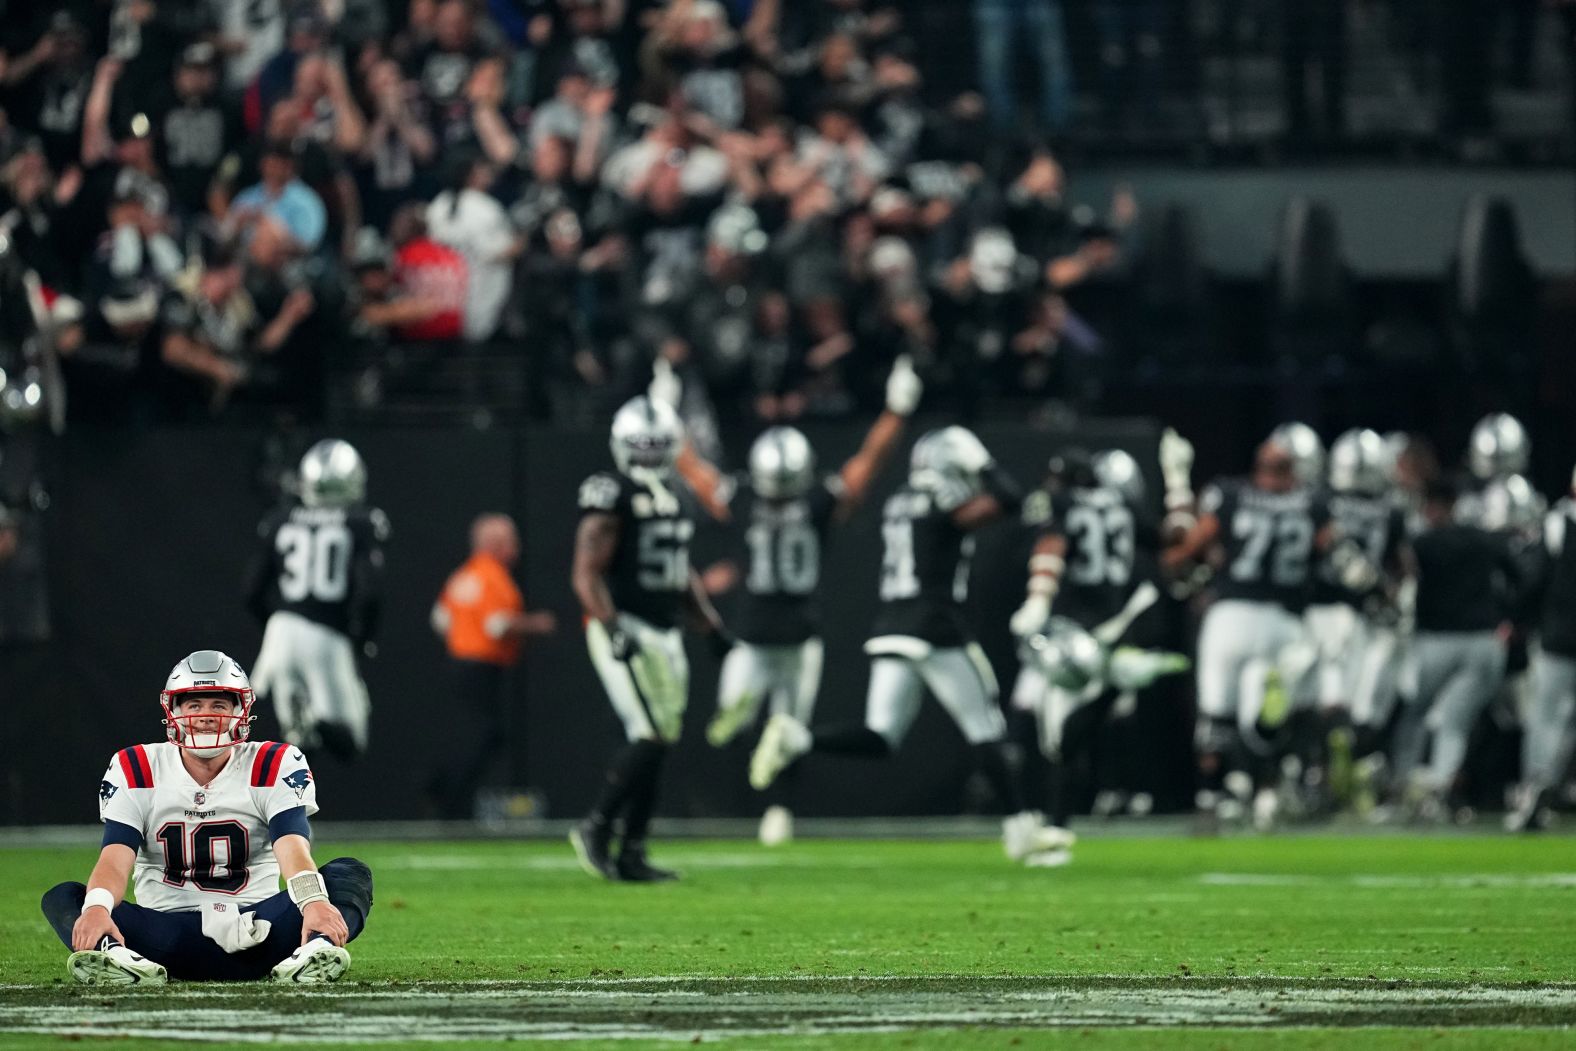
{"x": 116, "y": 832}
{"x": 292, "y": 822}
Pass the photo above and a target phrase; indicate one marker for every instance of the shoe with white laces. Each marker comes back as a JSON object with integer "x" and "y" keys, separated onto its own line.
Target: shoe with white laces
{"x": 784, "y": 740}
{"x": 114, "y": 964}
{"x": 316, "y": 962}
{"x": 776, "y": 826}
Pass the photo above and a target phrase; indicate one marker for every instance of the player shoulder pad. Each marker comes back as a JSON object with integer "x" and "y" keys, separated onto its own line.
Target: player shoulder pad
{"x": 267, "y": 761}
{"x": 600, "y": 492}
{"x": 135, "y": 767}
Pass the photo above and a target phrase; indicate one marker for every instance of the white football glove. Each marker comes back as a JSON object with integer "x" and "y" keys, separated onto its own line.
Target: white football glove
{"x": 232, "y": 929}
{"x": 1176, "y": 460}
{"x": 666, "y": 387}
{"x": 1031, "y": 616}
{"x": 903, "y": 387}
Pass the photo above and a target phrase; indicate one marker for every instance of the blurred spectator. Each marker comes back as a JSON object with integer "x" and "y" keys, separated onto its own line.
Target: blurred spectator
{"x": 693, "y": 51}
{"x": 579, "y": 115}
{"x": 1000, "y": 26}
{"x": 467, "y": 218}
{"x": 398, "y": 144}
{"x": 429, "y": 273}
{"x": 47, "y": 87}
{"x": 196, "y": 128}
{"x": 283, "y": 197}
{"x": 250, "y": 32}
{"x": 442, "y": 65}
{"x": 32, "y": 202}
{"x": 841, "y": 155}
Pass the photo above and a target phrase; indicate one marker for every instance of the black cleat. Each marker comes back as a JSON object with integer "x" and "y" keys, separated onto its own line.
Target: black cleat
{"x": 634, "y": 868}
{"x": 591, "y": 842}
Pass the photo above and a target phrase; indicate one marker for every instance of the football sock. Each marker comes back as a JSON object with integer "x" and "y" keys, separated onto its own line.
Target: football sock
{"x": 993, "y": 760}
{"x": 642, "y": 798}
{"x": 855, "y": 739}
{"x": 622, "y": 776}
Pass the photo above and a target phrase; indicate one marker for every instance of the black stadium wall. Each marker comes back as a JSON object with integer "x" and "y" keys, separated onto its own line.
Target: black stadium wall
{"x": 149, "y": 534}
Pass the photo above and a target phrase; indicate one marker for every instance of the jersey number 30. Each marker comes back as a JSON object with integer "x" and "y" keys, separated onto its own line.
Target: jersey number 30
{"x": 316, "y": 562}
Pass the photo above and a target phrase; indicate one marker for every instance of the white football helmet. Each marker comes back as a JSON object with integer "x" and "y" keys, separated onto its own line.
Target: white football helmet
{"x": 949, "y": 456}
{"x": 1509, "y": 504}
{"x": 207, "y": 735}
{"x": 647, "y": 436}
{"x": 1116, "y": 469}
{"x": 1306, "y": 449}
{"x": 1066, "y": 654}
{"x": 1359, "y": 462}
{"x": 332, "y": 475}
{"x": 1499, "y": 447}
{"x": 782, "y": 464}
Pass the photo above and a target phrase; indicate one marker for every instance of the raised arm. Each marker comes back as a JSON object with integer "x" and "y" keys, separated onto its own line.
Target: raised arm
{"x": 1045, "y": 578}
{"x": 903, "y": 392}
{"x": 705, "y": 481}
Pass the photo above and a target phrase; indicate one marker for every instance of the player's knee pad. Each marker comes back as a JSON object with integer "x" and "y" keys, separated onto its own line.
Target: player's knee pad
{"x": 62, "y": 903}
{"x": 349, "y": 882}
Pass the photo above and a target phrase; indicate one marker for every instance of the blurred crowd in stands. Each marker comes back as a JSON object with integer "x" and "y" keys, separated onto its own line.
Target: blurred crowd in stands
{"x": 228, "y": 203}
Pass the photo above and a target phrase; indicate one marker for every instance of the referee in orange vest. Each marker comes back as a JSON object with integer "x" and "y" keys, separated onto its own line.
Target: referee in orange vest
{"x": 483, "y": 620}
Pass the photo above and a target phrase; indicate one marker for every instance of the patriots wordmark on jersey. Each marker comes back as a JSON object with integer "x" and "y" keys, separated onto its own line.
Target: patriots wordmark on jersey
{"x": 317, "y": 562}
{"x": 198, "y": 844}
{"x": 1269, "y": 541}
{"x": 650, "y": 572}
{"x": 782, "y": 541}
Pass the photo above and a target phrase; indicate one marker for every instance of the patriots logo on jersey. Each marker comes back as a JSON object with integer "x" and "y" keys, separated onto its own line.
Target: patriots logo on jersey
{"x": 107, "y": 791}
{"x": 299, "y": 780}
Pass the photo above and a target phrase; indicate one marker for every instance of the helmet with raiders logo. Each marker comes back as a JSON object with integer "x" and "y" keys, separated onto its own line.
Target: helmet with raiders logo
{"x": 1067, "y": 655}
{"x": 647, "y": 436}
{"x": 332, "y": 475}
{"x": 1302, "y": 443}
{"x": 1116, "y": 469}
{"x": 207, "y": 734}
{"x": 1499, "y": 447}
{"x": 782, "y": 464}
{"x": 1359, "y": 462}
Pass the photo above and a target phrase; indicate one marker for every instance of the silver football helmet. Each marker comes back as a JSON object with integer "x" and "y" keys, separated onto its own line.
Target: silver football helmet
{"x": 782, "y": 464}
{"x": 1359, "y": 462}
{"x": 646, "y": 439}
{"x": 209, "y": 734}
{"x": 1306, "y": 449}
{"x": 1067, "y": 655}
{"x": 332, "y": 475}
{"x": 993, "y": 260}
{"x": 1499, "y": 447}
{"x": 1116, "y": 469}
{"x": 952, "y": 455}
{"x": 1508, "y": 504}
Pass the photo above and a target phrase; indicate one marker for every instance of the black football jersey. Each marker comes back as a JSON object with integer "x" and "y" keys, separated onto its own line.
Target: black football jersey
{"x": 324, "y": 564}
{"x": 1467, "y": 578}
{"x": 924, "y": 567}
{"x": 1378, "y": 528}
{"x": 781, "y": 541}
{"x": 1558, "y": 621}
{"x": 1268, "y": 540}
{"x": 1109, "y": 549}
{"x": 650, "y": 573}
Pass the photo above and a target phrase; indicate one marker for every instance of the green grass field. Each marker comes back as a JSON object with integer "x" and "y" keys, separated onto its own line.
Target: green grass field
{"x": 1195, "y": 943}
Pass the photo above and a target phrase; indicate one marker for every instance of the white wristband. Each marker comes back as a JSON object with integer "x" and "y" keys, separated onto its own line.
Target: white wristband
{"x": 306, "y": 887}
{"x": 100, "y": 898}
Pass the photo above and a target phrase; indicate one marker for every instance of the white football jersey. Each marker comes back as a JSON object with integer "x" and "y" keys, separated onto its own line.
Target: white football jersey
{"x": 205, "y": 843}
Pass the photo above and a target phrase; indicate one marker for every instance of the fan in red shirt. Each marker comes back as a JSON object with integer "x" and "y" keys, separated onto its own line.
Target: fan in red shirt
{"x": 430, "y": 274}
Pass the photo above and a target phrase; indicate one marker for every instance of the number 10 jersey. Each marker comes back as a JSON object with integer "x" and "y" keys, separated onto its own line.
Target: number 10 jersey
{"x": 198, "y": 844}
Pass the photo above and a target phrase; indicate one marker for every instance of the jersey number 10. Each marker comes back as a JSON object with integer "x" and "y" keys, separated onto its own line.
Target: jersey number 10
{"x": 199, "y": 865}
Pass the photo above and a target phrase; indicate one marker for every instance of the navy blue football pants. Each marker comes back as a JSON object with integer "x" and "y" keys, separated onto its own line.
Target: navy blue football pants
{"x": 175, "y": 939}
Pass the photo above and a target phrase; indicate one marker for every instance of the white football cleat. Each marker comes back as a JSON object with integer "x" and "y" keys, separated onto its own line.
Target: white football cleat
{"x": 784, "y": 740}
{"x": 314, "y": 963}
{"x": 114, "y": 964}
{"x": 1026, "y": 833}
{"x": 776, "y": 826}
{"x": 1048, "y": 859}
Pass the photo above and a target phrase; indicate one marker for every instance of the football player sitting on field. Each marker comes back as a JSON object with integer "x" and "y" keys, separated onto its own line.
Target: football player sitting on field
{"x": 211, "y": 821}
